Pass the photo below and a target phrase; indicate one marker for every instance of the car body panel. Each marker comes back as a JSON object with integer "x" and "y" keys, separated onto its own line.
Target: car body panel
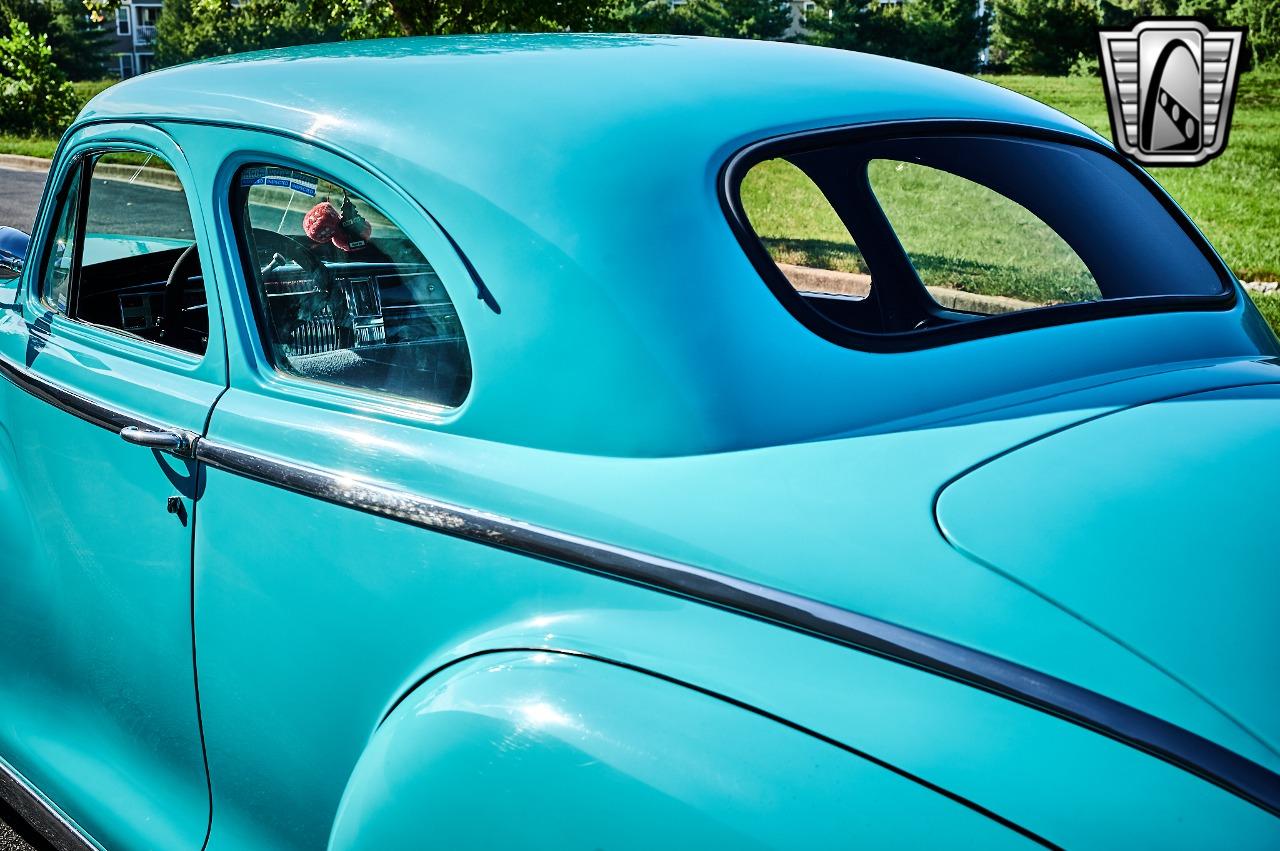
{"x": 98, "y": 694}
{"x": 543, "y": 732}
{"x": 1146, "y": 518}
{"x": 101, "y": 248}
{"x": 285, "y": 729}
{"x": 613, "y": 238}
{"x": 635, "y": 384}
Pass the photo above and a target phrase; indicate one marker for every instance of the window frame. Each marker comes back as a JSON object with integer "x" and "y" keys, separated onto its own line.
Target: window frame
{"x": 79, "y": 170}
{"x": 736, "y": 167}
{"x": 365, "y": 398}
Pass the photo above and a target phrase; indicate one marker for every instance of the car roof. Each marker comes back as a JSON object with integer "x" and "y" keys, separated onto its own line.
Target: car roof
{"x": 547, "y": 87}
{"x": 578, "y": 173}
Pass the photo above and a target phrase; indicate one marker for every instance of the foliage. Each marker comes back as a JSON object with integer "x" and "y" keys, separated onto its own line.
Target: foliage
{"x": 197, "y": 29}
{"x": 946, "y": 33}
{"x": 446, "y": 17}
{"x": 1262, "y": 17}
{"x": 1044, "y": 36}
{"x": 758, "y": 19}
{"x": 79, "y": 46}
{"x": 35, "y": 96}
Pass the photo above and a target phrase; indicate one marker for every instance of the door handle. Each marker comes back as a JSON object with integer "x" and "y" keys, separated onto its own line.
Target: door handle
{"x": 175, "y": 441}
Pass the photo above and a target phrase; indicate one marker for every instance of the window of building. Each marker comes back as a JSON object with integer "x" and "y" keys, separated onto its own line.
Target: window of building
{"x": 126, "y": 65}
{"x": 122, "y": 20}
{"x": 341, "y": 293}
{"x": 956, "y": 228}
{"x": 124, "y": 255}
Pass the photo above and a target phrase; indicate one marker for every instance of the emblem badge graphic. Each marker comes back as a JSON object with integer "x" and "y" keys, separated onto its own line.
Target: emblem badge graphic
{"x": 1170, "y": 84}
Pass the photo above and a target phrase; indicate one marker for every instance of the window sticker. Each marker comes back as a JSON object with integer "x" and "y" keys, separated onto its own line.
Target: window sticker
{"x": 285, "y": 178}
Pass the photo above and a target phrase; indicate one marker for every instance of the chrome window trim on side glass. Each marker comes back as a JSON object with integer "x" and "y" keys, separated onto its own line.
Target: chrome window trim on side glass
{"x": 1075, "y": 704}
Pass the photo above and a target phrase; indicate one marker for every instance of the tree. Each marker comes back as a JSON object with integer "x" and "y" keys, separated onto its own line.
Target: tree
{"x": 1262, "y": 17}
{"x": 1044, "y": 36}
{"x": 198, "y": 29}
{"x": 195, "y": 29}
{"x": 946, "y": 33}
{"x": 78, "y": 45}
{"x": 35, "y": 96}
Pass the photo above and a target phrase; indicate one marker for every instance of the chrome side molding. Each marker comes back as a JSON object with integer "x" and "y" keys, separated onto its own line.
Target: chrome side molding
{"x": 32, "y": 807}
{"x": 92, "y": 412}
{"x": 1126, "y": 724}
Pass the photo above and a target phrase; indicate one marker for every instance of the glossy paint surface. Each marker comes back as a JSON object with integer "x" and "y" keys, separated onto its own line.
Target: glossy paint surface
{"x": 639, "y": 324}
{"x": 639, "y": 386}
{"x": 527, "y": 727}
{"x": 98, "y": 685}
{"x": 1147, "y": 518}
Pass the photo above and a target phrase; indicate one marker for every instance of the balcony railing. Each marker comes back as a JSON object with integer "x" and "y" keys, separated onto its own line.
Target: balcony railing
{"x": 144, "y": 34}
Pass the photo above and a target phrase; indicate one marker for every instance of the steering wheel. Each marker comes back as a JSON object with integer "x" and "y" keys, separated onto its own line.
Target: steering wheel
{"x": 272, "y": 251}
{"x": 279, "y": 248}
{"x": 172, "y": 330}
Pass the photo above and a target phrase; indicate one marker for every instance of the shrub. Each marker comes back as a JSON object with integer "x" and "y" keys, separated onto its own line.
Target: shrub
{"x": 946, "y": 33}
{"x": 1044, "y": 36}
{"x": 35, "y": 98}
{"x": 1262, "y": 17}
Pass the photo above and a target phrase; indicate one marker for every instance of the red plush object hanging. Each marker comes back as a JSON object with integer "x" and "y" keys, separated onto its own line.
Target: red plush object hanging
{"x": 321, "y": 222}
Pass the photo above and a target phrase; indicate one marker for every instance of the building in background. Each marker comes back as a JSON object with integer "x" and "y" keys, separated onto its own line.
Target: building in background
{"x": 135, "y": 37}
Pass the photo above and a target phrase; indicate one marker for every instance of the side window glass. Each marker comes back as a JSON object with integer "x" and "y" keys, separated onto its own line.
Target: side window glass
{"x": 1002, "y": 254}
{"x": 55, "y": 286}
{"x": 802, "y": 232}
{"x": 342, "y": 295}
{"x": 137, "y": 267}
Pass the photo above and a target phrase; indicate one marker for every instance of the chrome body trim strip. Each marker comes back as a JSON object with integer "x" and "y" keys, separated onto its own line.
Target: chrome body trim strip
{"x": 88, "y": 410}
{"x": 1175, "y": 745}
{"x": 1126, "y": 724}
{"x": 32, "y": 807}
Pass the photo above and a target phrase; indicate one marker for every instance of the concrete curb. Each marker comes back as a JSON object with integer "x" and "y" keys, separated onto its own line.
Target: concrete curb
{"x": 859, "y": 286}
{"x": 22, "y": 163}
{"x": 158, "y": 178}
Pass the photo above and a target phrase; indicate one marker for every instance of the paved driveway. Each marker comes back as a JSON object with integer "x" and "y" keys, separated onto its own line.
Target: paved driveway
{"x": 19, "y": 196}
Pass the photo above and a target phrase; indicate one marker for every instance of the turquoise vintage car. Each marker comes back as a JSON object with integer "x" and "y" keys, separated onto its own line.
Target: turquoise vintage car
{"x": 626, "y": 442}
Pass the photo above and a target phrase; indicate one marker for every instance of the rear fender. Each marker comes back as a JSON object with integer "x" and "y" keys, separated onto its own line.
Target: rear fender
{"x": 537, "y": 749}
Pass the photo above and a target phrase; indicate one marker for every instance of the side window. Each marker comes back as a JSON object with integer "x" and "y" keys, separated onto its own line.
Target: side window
{"x": 1006, "y": 257}
{"x": 124, "y": 255}
{"x": 802, "y": 233}
{"x": 55, "y": 285}
{"x": 342, "y": 295}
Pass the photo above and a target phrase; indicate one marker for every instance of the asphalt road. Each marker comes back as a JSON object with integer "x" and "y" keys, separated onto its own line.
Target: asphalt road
{"x": 19, "y": 196}
{"x": 12, "y": 840}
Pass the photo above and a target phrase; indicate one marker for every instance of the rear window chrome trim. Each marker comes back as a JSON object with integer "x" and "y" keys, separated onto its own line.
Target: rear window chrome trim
{"x": 736, "y": 167}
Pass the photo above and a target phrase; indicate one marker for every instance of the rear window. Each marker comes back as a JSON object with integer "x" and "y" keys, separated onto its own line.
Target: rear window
{"x": 907, "y": 235}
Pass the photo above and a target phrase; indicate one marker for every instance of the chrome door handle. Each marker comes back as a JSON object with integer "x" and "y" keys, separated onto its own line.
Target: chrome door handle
{"x": 180, "y": 443}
